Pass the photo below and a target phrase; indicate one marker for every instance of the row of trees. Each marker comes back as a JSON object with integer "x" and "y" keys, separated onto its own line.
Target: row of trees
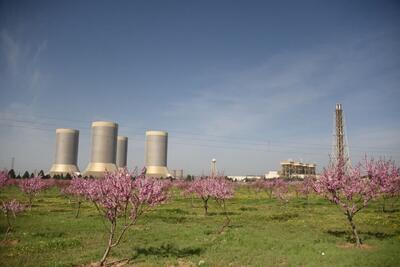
{"x": 351, "y": 188}
{"x": 26, "y": 175}
{"x": 121, "y": 197}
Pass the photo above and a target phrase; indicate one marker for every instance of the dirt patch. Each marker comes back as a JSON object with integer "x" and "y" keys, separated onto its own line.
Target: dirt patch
{"x": 111, "y": 262}
{"x": 353, "y": 246}
{"x": 183, "y": 263}
{"x": 9, "y": 242}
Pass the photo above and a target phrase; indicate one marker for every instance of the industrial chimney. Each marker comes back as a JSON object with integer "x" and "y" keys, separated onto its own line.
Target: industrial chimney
{"x": 67, "y": 141}
{"x": 122, "y": 151}
{"x": 156, "y": 154}
{"x": 104, "y": 148}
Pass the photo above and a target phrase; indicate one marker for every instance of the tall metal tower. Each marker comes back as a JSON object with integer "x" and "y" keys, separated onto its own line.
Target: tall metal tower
{"x": 340, "y": 148}
{"x": 214, "y": 171}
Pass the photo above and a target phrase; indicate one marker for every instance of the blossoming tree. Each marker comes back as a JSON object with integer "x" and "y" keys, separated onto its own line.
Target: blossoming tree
{"x": 119, "y": 196}
{"x": 206, "y": 188}
{"x": 77, "y": 189}
{"x": 9, "y": 208}
{"x": 352, "y": 188}
{"x": 32, "y": 187}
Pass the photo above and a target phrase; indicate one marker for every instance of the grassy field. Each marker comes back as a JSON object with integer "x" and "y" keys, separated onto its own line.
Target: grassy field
{"x": 263, "y": 232}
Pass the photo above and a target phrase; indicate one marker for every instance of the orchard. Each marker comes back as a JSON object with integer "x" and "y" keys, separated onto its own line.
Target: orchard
{"x": 348, "y": 216}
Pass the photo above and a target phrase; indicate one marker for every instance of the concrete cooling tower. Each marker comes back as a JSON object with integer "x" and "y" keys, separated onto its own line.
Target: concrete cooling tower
{"x": 156, "y": 154}
{"x": 103, "y": 149}
{"x": 122, "y": 151}
{"x": 67, "y": 141}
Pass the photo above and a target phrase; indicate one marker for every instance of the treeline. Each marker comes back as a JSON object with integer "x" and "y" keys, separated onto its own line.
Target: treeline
{"x": 26, "y": 175}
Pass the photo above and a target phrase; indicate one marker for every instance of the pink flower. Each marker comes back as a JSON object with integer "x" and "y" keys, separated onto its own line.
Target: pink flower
{"x": 352, "y": 188}
{"x": 3, "y": 178}
{"x": 12, "y": 206}
{"x": 32, "y": 187}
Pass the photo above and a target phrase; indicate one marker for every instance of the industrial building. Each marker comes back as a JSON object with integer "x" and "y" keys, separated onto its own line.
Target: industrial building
{"x": 103, "y": 148}
{"x": 156, "y": 154}
{"x": 297, "y": 169}
{"x": 272, "y": 175}
{"x": 240, "y": 178}
{"x": 122, "y": 151}
{"x": 66, "y": 157}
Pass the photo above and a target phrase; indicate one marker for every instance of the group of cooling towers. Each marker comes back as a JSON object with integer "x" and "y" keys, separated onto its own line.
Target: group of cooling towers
{"x": 108, "y": 151}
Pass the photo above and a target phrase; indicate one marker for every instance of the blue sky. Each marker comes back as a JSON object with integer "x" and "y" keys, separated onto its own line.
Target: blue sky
{"x": 250, "y": 83}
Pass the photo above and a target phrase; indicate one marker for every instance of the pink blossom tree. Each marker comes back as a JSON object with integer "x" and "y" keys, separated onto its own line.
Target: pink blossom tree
{"x": 206, "y": 188}
{"x": 9, "y": 209}
{"x": 389, "y": 178}
{"x": 306, "y": 187}
{"x": 268, "y": 186}
{"x": 32, "y": 187}
{"x": 217, "y": 188}
{"x": 3, "y": 178}
{"x": 77, "y": 189}
{"x": 274, "y": 188}
{"x": 352, "y": 188}
{"x": 280, "y": 190}
{"x": 120, "y": 197}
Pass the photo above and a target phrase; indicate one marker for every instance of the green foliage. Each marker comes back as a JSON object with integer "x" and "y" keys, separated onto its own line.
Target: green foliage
{"x": 189, "y": 177}
{"x": 262, "y": 233}
{"x": 11, "y": 174}
{"x": 26, "y": 175}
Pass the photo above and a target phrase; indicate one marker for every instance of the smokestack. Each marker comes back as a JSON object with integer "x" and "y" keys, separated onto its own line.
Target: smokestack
{"x": 66, "y": 158}
{"x": 104, "y": 148}
{"x": 122, "y": 151}
{"x": 156, "y": 154}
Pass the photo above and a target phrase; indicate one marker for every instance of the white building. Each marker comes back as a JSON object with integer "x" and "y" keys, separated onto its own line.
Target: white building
{"x": 272, "y": 175}
{"x": 244, "y": 177}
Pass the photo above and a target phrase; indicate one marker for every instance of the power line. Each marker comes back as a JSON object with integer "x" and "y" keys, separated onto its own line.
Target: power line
{"x": 203, "y": 145}
{"x": 269, "y": 143}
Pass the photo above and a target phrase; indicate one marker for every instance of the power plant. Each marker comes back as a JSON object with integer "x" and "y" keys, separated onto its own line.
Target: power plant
{"x": 66, "y": 158}
{"x": 122, "y": 151}
{"x": 156, "y": 154}
{"x": 103, "y": 148}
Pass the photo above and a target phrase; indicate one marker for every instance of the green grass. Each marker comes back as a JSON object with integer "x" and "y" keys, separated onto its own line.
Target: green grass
{"x": 263, "y": 232}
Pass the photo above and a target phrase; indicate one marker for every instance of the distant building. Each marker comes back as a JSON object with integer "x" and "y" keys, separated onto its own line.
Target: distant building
{"x": 244, "y": 177}
{"x": 298, "y": 169}
{"x": 177, "y": 174}
{"x": 272, "y": 175}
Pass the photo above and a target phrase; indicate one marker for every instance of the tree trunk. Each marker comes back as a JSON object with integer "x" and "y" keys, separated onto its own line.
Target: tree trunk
{"x": 9, "y": 227}
{"x": 77, "y": 211}
{"x": 205, "y": 206}
{"x": 110, "y": 239}
{"x": 384, "y": 204}
{"x": 353, "y": 228}
{"x": 30, "y": 202}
